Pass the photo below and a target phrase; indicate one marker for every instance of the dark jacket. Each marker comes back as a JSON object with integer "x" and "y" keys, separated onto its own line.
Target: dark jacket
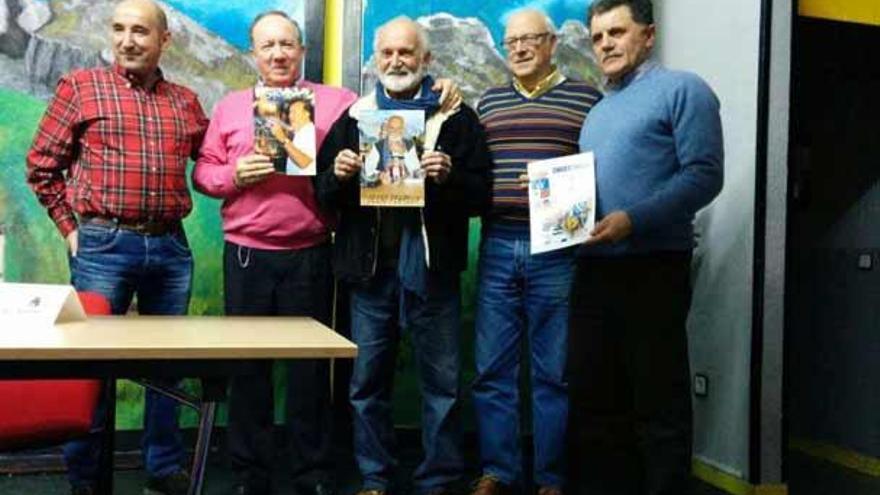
{"x": 465, "y": 193}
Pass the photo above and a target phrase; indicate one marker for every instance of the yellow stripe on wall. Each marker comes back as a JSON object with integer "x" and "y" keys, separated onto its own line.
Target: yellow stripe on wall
{"x": 732, "y": 484}
{"x": 333, "y": 10}
{"x": 851, "y": 459}
{"x": 861, "y": 11}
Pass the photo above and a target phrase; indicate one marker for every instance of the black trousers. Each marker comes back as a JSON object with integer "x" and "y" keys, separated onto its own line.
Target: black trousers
{"x": 283, "y": 283}
{"x": 630, "y": 418}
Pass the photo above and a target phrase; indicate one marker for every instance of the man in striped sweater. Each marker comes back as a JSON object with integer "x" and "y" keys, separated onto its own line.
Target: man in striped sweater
{"x": 537, "y": 116}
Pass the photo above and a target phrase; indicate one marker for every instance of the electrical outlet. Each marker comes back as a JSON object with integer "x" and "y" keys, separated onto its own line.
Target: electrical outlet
{"x": 866, "y": 261}
{"x": 701, "y": 385}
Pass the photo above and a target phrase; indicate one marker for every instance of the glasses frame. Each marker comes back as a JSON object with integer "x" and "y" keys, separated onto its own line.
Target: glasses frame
{"x": 530, "y": 40}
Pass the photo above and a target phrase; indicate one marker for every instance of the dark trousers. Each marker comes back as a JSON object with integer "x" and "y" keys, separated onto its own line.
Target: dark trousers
{"x": 283, "y": 283}
{"x": 630, "y": 419}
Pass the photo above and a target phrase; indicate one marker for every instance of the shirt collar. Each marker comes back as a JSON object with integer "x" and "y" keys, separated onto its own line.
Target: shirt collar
{"x": 647, "y": 66}
{"x": 544, "y": 85}
{"x": 132, "y": 80}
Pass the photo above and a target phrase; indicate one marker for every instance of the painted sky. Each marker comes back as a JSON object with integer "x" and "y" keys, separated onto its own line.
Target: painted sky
{"x": 491, "y": 12}
{"x": 231, "y": 20}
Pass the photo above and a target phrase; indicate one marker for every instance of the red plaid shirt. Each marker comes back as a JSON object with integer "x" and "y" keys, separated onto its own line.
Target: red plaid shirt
{"x": 124, "y": 149}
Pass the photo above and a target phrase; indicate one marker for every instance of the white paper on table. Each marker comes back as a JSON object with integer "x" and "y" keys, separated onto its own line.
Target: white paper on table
{"x": 562, "y": 201}
{"x": 40, "y": 303}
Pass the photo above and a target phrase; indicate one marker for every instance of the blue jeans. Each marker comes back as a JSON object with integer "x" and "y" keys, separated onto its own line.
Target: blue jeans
{"x": 377, "y": 307}
{"x": 118, "y": 264}
{"x": 517, "y": 292}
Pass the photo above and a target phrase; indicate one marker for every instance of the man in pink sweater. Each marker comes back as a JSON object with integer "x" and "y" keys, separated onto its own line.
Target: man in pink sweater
{"x": 276, "y": 262}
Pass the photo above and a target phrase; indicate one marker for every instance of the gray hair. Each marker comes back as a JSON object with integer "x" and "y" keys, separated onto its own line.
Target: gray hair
{"x": 421, "y": 34}
{"x": 549, "y": 25}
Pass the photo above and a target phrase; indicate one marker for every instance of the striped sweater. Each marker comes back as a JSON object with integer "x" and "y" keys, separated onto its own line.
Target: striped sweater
{"x": 521, "y": 130}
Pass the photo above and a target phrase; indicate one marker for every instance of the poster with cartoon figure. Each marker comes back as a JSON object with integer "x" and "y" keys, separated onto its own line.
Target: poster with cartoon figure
{"x": 391, "y": 142}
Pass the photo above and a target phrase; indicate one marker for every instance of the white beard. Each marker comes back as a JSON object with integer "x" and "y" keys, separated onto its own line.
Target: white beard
{"x": 398, "y": 83}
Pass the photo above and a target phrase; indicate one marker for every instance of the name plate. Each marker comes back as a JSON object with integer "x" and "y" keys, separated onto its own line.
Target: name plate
{"x": 40, "y": 303}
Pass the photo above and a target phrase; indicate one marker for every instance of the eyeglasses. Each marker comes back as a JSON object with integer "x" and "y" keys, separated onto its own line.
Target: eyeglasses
{"x": 528, "y": 40}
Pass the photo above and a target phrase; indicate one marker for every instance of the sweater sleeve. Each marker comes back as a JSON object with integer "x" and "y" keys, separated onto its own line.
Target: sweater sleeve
{"x": 696, "y": 129}
{"x": 214, "y": 173}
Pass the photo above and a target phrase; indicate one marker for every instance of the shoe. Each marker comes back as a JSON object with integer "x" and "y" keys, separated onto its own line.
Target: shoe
{"x": 490, "y": 485}
{"x": 549, "y": 490}
{"x": 176, "y": 483}
{"x": 82, "y": 490}
{"x": 372, "y": 492}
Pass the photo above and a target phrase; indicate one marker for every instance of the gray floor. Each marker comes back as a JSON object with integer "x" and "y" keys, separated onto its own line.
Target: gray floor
{"x": 218, "y": 480}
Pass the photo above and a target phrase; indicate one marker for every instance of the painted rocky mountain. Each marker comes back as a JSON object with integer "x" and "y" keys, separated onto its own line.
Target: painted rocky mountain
{"x": 56, "y": 37}
{"x": 464, "y": 51}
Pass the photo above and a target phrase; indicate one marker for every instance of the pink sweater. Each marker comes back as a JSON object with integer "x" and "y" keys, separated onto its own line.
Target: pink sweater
{"x": 280, "y": 212}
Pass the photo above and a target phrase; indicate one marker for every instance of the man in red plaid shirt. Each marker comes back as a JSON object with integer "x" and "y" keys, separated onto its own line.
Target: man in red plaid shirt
{"x": 109, "y": 164}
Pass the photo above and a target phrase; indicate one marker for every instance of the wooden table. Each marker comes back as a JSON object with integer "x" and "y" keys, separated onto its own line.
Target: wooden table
{"x": 150, "y": 347}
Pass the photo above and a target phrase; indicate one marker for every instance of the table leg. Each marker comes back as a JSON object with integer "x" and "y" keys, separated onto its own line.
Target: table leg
{"x": 105, "y": 461}
{"x": 207, "y": 413}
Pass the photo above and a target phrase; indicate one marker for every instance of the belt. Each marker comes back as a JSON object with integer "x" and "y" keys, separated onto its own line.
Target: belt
{"x": 148, "y": 228}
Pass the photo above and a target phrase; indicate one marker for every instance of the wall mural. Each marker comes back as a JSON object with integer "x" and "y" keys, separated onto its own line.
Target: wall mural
{"x": 466, "y": 40}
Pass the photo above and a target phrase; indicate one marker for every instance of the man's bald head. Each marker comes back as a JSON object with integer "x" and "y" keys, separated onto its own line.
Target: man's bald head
{"x": 148, "y": 7}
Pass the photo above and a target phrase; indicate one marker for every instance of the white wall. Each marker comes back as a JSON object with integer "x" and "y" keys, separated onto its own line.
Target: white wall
{"x": 720, "y": 41}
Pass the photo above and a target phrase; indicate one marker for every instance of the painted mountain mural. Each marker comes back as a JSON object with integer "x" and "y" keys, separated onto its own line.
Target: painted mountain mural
{"x": 466, "y": 50}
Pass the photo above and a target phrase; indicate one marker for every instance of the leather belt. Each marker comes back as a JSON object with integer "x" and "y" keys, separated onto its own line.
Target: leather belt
{"x": 148, "y": 228}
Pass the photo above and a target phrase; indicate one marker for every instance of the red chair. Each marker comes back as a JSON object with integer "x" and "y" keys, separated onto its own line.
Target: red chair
{"x": 46, "y": 412}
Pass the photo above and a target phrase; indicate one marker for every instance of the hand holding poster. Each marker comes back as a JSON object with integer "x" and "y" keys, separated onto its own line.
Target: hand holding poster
{"x": 562, "y": 201}
{"x": 284, "y": 128}
{"x": 391, "y": 144}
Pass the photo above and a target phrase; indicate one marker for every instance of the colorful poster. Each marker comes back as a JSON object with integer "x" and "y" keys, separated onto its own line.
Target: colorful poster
{"x": 562, "y": 201}
{"x": 284, "y": 128}
{"x": 391, "y": 143}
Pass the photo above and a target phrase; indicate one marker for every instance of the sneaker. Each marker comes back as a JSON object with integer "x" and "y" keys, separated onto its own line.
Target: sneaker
{"x": 372, "y": 492}
{"x": 176, "y": 483}
{"x": 549, "y": 490}
{"x": 490, "y": 485}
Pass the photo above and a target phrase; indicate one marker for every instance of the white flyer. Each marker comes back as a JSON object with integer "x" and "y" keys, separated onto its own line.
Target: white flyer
{"x": 562, "y": 201}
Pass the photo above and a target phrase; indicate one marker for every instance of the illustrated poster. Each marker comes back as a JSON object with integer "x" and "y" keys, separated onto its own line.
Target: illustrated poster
{"x": 391, "y": 144}
{"x": 562, "y": 201}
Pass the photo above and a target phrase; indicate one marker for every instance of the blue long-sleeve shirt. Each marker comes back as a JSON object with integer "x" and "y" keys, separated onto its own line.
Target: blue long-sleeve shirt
{"x": 659, "y": 155}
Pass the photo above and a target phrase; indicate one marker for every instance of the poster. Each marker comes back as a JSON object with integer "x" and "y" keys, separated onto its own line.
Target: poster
{"x": 391, "y": 143}
{"x": 284, "y": 128}
{"x": 562, "y": 201}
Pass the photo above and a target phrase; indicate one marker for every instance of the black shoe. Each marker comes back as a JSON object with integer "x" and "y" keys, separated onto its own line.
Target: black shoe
{"x": 176, "y": 483}
{"x": 82, "y": 490}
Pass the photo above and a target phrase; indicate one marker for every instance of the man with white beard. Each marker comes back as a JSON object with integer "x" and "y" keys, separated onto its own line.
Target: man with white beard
{"x": 403, "y": 264}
